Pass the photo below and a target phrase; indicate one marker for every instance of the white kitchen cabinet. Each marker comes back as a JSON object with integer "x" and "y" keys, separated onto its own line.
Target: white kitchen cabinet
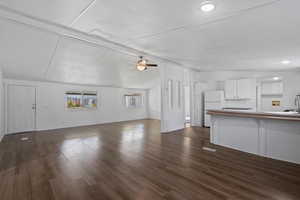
{"x": 272, "y": 88}
{"x": 230, "y": 89}
{"x": 240, "y": 89}
{"x": 246, "y": 88}
{"x": 272, "y": 138}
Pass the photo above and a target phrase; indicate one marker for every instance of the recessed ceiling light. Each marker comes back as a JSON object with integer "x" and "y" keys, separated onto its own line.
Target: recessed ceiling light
{"x": 275, "y": 78}
{"x": 207, "y": 6}
{"x": 286, "y": 62}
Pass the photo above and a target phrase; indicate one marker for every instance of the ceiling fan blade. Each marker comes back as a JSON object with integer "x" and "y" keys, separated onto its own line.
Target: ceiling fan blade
{"x": 151, "y": 65}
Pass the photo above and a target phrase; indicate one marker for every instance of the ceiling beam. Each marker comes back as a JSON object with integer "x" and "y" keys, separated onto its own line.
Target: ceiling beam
{"x": 83, "y": 12}
{"x": 52, "y": 57}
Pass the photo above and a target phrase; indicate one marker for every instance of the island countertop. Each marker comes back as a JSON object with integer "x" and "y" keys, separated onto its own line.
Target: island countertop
{"x": 269, "y": 134}
{"x": 290, "y": 116}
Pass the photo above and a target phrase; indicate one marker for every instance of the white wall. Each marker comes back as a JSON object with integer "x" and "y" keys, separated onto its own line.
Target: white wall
{"x": 291, "y": 87}
{"x": 52, "y": 112}
{"x": 154, "y": 102}
{"x": 2, "y": 116}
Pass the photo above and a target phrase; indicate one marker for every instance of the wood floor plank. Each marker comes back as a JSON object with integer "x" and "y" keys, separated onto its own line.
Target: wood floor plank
{"x": 133, "y": 160}
{"x": 7, "y": 184}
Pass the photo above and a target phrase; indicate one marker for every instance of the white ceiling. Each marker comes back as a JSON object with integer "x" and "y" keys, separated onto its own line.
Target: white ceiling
{"x": 81, "y": 62}
{"x": 58, "y": 11}
{"x": 32, "y": 54}
{"x": 25, "y": 52}
{"x": 238, "y": 35}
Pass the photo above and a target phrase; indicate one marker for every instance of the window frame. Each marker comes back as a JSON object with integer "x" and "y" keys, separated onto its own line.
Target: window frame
{"x": 170, "y": 93}
{"x": 138, "y": 102}
{"x": 82, "y": 94}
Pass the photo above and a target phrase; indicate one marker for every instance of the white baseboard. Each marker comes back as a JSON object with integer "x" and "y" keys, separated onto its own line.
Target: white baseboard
{"x": 196, "y": 124}
{"x": 82, "y": 125}
{"x": 88, "y": 124}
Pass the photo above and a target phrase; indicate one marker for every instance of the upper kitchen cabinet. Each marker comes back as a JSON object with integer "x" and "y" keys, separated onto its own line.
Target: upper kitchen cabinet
{"x": 230, "y": 89}
{"x": 270, "y": 88}
{"x": 240, "y": 89}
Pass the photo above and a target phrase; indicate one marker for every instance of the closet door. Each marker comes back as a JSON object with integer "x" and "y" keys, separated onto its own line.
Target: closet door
{"x": 21, "y": 111}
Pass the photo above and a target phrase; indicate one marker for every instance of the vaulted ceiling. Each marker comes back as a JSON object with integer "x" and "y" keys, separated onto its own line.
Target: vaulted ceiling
{"x": 238, "y": 35}
{"x": 32, "y": 54}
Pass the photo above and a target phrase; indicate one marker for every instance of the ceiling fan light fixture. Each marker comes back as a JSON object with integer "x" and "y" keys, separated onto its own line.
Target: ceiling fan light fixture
{"x": 207, "y": 6}
{"x": 141, "y": 67}
{"x": 143, "y": 62}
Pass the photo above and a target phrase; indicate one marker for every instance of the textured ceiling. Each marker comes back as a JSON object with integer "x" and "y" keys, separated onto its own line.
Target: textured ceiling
{"x": 238, "y": 35}
{"x": 31, "y": 54}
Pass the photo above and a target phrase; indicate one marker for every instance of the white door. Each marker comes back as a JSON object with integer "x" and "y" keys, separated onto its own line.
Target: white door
{"x": 172, "y": 117}
{"x": 21, "y": 109}
{"x": 197, "y": 105}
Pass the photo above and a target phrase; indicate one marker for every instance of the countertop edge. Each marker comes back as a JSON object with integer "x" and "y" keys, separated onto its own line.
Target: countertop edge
{"x": 260, "y": 115}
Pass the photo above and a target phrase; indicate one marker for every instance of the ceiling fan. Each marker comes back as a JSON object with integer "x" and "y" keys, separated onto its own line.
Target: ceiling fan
{"x": 143, "y": 64}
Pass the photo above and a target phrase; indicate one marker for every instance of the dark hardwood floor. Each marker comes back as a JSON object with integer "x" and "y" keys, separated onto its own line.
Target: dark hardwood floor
{"x": 132, "y": 160}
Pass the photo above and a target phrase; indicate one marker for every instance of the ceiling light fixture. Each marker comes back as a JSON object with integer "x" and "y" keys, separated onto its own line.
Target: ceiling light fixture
{"x": 207, "y": 6}
{"x": 141, "y": 67}
{"x": 143, "y": 64}
{"x": 276, "y": 78}
{"x": 286, "y": 62}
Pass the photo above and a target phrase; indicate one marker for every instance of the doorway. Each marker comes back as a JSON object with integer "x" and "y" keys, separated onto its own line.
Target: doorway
{"x": 197, "y": 103}
{"x": 21, "y": 108}
{"x": 187, "y": 106}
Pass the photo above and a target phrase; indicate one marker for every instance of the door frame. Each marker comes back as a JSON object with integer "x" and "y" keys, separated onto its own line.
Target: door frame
{"x": 6, "y": 86}
{"x": 192, "y": 103}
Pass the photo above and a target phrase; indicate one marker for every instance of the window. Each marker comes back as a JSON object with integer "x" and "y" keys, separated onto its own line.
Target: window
{"x": 179, "y": 94}
{"x": 90, "y": 100}
{"x": 74, "y": 99}
{"x": 170, "y": 93}
{"x": 77, "y": 100}
{"x": 133, "y": 100}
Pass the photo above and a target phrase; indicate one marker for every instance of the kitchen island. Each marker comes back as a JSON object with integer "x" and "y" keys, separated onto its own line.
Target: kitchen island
{"x": 269, "y": 134}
